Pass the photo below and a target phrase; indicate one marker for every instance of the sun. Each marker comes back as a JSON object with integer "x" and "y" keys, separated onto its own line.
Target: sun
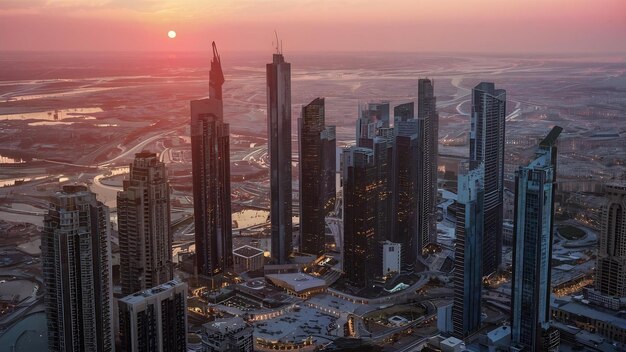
{"x": 171, "y": 34}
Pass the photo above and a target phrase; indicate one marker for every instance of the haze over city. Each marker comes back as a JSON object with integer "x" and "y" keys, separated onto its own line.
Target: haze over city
{"x": 488, "y": 26}
{"x": 347, "y": 175}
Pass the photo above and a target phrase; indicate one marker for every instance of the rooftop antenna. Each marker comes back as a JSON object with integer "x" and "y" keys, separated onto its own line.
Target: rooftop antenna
{"x": 279, "y": 44}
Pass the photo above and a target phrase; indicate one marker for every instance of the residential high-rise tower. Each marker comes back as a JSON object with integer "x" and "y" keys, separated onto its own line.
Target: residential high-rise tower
{"x": 611, "y": 262}
{"x": 76, "y": 260}
{"x": 155, "y": 319}
{"x": 143, "y": 213}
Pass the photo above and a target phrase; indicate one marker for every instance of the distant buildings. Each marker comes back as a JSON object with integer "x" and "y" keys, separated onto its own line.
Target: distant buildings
{"x": 210, "y": 153}
{"x": 532, "y": 253}
{"x": 359, "y": 192}
{"x": 143, "y": 213}
{"x": 225, "y": 335}
{"x": 155, "y": 319}
{"x": 317, "y": 176}
{"x": 279, "y": 149}
{"x": 611, "y": 262}
{"x": 487, "y": 146}
{"x": 429, "y": 150}
{"x": 468, "y": 278}
{"x": 76, "y": 257}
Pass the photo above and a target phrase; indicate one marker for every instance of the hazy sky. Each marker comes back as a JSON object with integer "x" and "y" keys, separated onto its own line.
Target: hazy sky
{"x": 555, "y": 26}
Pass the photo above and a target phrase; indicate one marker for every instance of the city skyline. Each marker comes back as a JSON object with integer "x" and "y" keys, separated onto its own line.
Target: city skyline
{"x": 353, "y": 191}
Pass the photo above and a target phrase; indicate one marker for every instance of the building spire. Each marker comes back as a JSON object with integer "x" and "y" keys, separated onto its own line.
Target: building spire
{"x": 216, "y": 76}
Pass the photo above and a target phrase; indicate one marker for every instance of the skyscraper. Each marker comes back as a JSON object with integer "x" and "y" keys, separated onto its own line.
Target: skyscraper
{"x": 210, "y": 156}
{"x": 76, "y": 260}
{"x": 372, "y": 117}
{"x": 143, "y": 212}
{"x": 533, "y": 233}
{"x": 468, "y": 278}
{"x": 429, "y": 149}
{"x": 611, "y": 263}
{"x": 279, "y": 148}
{"x": 487, "y": 146}
{"x": 155, "y": 319}
{"x": 405, "y": 191}
{"x": 317, "y": 158}
{"x": 382, "y": 146}
{"x": 359, "y": 192}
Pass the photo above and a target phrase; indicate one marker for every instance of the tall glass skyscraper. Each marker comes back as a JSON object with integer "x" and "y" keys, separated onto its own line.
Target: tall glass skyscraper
{"x": 317, "y": 158}
{"x": 532, "y": 253}
{"x": 359, "y": 200}
{"x": 76, "y": 260}
{"x": 210, "y": 156}
{"x": 143, "y": 217}
{"x": 279, "y": 147}
{"x": 468, "y": 278}
{"x": 429, "y": 148}
{"x": 405, "y": 190}
{"x": 487, "y": 146}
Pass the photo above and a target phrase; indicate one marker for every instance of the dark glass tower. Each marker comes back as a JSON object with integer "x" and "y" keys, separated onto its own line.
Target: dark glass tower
{"x": 143, "y": 213}
{"x": 359, "y": 193}
{"x": 76, "y": 260}
{"x": 468, "y": 278}
{"x": 487, "y": 146}
{"x": 428, "y": 146}
{"x": 210, "y": 154}
{"x": 317, "y": 194}
{"x": 405, "y": 189}
{"x": 535, "y": 186}
{"x": 279, "y": 147}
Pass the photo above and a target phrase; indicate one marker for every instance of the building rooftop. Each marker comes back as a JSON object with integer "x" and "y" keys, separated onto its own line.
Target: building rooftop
{"x": 499, "y": 333}
{"x": 223, "y": 326}
{"x": 297, "y": 282}
{"x": 590, "y": 311}
{"x": 142, "y": 295}
{"x": 247, "y": 251}
{"x": 296, "y": 326}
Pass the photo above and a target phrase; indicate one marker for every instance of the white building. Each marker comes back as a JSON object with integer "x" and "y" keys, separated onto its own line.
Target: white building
{"x": 391, "y": 253}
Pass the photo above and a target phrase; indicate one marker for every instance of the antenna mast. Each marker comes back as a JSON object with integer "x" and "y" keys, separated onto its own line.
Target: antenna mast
{"x": 278, "y": 44}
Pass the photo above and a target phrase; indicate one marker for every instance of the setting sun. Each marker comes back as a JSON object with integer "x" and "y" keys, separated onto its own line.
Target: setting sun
{"x": 171, "y": 34}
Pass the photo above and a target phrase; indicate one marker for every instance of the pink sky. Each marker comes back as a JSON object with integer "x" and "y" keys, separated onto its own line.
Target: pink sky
{"x": 500, "y": 26}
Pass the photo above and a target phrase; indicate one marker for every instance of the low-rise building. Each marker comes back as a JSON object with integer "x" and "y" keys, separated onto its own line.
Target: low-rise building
{"x": 231, "y": 334}
{"x": 298, "y": 284}
{"x": 247, "y": 258}
{"x": 592, "y": 318}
